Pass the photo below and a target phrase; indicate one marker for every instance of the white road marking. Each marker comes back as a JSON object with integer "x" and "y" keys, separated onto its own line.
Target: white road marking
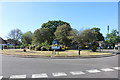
{"x": 1, "y": 77}
{"x": 17, "y": 76}
{"x": 77, "y": 72}
{"x": 118, "y": 68}
{"x": 43, "y": 75}
{"x": 59, "y": 74}
{"x": 107, "y": 69}
{"x": 93, "y": 71}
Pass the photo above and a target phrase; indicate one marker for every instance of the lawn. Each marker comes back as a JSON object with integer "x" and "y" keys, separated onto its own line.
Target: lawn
{"x": 49, "y": 53}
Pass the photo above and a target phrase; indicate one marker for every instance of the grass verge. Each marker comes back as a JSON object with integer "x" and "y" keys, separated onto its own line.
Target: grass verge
{"x": 49, "y": 53}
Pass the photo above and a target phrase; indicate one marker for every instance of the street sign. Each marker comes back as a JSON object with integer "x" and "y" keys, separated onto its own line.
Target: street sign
{"x": 54, "y": 42}
{"x": 55, "y": 47}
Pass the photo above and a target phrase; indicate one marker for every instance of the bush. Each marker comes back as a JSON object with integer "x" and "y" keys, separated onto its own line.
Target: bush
{"x": 17, "y": 47}
{"x": 94, "y": 48}
{"x": 38, "y": 48}
{"x": 67, "y": 48}
{"x": 24, "y": 50}
{"x": 43, "y": 49}
{"x": 22, "y": 46}
{"x": 32, "y": 47}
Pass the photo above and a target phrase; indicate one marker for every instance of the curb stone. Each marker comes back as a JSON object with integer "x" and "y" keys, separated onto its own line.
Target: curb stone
{"x": 65, "y": 57}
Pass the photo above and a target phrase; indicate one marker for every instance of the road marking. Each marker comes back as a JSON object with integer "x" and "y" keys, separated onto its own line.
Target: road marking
{"x": 107, "y": 69}
{"x": 43, "y": 75}
{"x": 1, "y": 77}
{"x": 77, "y": 72}
{"x": 93, "y": 71}
{"x": 118, "y": 68}
{"x": 17, "y": 76}
{"x": 59, "y": 74}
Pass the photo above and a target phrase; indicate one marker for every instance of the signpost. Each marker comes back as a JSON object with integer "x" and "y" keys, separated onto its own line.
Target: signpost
{"x": 79, "y": 50}
{"x": 55, "y": 47}
{"x": 54, "y": 41}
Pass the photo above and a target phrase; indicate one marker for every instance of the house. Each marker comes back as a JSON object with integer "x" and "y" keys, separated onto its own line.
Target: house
{"x": 10, "y": 43}
{"x": 117, "y": 46}
{"x": 2, "y": 43}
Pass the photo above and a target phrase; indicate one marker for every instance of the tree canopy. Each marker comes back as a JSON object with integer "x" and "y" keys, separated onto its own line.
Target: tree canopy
{"x": 98, "y": 35}
{"x": 15, "y": 34}
{"x": 27, "y": 38}
{"x": 62, "y": 34}
{"x": 41, "y": 35}
{"x": 113, "y": 37}
{"x": 52, "y": 26}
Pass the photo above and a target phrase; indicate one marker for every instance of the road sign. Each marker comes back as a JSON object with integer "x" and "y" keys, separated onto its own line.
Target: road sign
{"x": 55, "y": 47}
{"x": 54, "y": 42}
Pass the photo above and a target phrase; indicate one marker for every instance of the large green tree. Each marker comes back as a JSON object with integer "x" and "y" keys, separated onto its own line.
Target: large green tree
{"x": 88, "y": 37}
{"x": 62, "y": 34}
{"x": 27, "y": 38}
{"x": 41, "y": 35}
{"x": 98, "y": 35}
{"x": 52, "y": 26}
{"x": 73, "y": 36}
{"x": 113, "y": 38}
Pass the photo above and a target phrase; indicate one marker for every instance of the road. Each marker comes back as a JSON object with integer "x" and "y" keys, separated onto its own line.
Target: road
{"x": 14, "y": 67}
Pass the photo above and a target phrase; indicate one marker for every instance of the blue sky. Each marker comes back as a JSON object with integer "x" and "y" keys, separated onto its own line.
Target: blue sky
{"x": 29, "y": 16}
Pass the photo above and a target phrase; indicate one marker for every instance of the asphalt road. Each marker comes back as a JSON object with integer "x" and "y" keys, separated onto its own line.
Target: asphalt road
{"x": 104, "y": 67}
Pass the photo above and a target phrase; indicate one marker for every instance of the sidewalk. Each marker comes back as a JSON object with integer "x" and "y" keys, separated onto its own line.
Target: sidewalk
{"x": 110, "y": 50}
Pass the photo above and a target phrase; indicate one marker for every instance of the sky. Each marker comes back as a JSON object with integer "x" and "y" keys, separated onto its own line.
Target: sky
{"x": 29, "y": 16}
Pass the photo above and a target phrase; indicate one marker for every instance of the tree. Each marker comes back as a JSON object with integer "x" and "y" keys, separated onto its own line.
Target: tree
{"x": 113, "y": 38}
{"x": 52, "y": 25}
{"x": 98, "y": 35}
{"x": 41, "y": 35}
{"x": 73, "y": 36}
{"x": 27, "y": 38}
{"x": 62, "y": 34}
{"x": 88, "y": 37}
{"x": 15, "y": 35}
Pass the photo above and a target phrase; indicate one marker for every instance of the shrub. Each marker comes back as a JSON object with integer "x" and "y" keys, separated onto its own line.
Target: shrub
{"x": 38, "y": 48}
{"x": 67, "y": 48}
{"x": 32, "y": 47}
{"x": 24, "y": 50}
{"x": 43, "y": 49}
{"x": 94, "y": 48}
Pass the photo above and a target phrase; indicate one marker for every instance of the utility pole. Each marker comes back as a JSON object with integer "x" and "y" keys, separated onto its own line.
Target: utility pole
{"x": 108, "y": 28}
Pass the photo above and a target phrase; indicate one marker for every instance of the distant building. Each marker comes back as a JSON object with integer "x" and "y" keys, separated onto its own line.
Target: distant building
{"x": 8, "y": 43}
{"x": 13, "y": 43}
{"x": 2, "y": 43}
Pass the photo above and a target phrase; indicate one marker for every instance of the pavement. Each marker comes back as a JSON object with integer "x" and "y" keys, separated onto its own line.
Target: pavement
{"x": 110, "y": 50}
{"x": 33, "y": 67}
{"x": 15, "y": 67}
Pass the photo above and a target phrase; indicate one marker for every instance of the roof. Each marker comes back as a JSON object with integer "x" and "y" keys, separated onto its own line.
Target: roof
{"x": 11, "y": 41}
{"x": 2, "y": 41}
